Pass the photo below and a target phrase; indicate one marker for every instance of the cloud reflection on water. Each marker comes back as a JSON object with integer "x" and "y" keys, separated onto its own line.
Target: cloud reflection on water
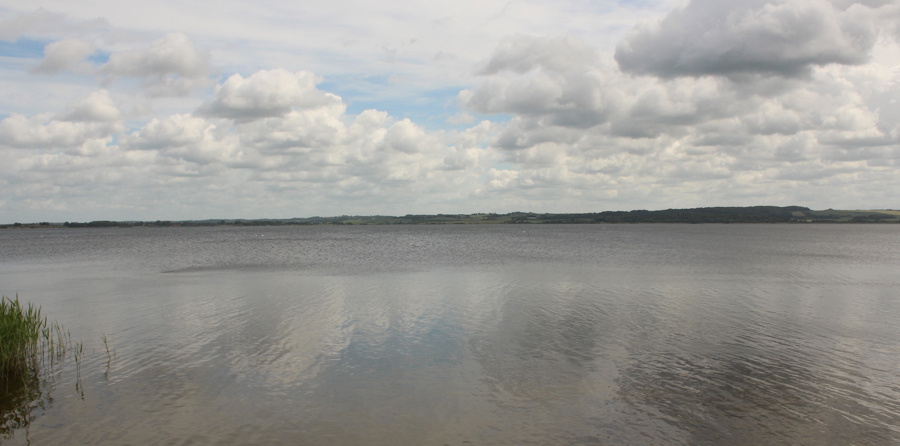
{"x": 607, "y": 335}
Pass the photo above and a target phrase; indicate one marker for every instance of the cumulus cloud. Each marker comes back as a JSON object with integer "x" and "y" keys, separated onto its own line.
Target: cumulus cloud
{"x": 266, "y": 93}
{"x": 558, "y": 81}
{"x": 312, "y": 144}
{"x": 571, "y": 129}
{"x": 660, "y": 135}
{"x": 82, "y": 127}
{"x": 97, "y": 107}
{"x": 171, "y": 66}
{"x": 657, "y": 108}
{"x": 187, "y": 138}
{"x": 44, "y": 133}
{"x": 297, "y": 130}
{"x": 174, "y": 130}
{"x": 67, "y": 54}
{"x": 405, "y": 137}
{"x": 784, "y": 38}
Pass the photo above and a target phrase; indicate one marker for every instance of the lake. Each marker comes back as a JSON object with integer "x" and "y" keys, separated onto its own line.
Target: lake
{"x": 466, "y": 335}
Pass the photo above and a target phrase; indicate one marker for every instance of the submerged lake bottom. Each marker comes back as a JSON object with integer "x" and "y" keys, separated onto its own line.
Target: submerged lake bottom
{"x": 465, "y": 335}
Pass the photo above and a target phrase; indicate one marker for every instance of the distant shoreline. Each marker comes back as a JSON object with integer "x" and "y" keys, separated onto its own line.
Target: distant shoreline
{"x": 749, "y": 214}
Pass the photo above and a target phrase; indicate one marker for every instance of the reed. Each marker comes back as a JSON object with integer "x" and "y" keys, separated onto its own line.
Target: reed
{"x": 28, "y": 341}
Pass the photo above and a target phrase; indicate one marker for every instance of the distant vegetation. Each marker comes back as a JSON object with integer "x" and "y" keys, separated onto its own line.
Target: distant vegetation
{"x": 751, "y": 214}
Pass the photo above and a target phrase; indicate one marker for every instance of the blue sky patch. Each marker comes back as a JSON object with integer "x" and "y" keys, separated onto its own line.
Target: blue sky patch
{"x": 98, "y": 58}
{"x": 22, "y": 48}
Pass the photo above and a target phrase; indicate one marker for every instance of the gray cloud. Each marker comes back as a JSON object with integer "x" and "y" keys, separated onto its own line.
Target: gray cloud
{"x": 662, "y": 108}
{"x": 172, "y": 66}
{"x": 45, "y": 22}
{"x": 526, "y": 132}
{"x": 10, "y": 29}
{"x": 727, "y": 135}
{"x": 97, "y": 107}
{"x": 67, "y": 54}
{"x": 734, "y": 38}
{"x": 558, "y": 80}
{"x": 523, "y": 53}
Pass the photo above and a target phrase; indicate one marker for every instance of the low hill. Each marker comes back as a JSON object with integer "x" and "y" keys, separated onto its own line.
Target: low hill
{"x": 749, "y": 214}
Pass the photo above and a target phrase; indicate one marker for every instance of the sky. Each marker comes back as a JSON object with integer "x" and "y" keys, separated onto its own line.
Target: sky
{"x": 174, "y": 110}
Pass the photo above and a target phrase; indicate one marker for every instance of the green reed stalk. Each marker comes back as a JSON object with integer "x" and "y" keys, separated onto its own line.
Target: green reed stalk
{"x": 27, "y": 340}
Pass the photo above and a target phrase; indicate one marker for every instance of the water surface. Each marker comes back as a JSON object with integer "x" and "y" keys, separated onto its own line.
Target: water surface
{"x": 491, "y": 335}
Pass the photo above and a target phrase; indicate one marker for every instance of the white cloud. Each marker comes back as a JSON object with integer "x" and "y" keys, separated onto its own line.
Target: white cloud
{"x": 81, "y": 127}
{"x": 367, "y": 155}
{"x": 267, "y": 93}
{"x": 42, "y": 132}
{"x": 308, "y": 129}
{"x": 406, "y": 137}
{"x": 718, "y": 103}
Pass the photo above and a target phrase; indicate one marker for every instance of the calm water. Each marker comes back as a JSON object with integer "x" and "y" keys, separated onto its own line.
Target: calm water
{"x": 481, "y": 335}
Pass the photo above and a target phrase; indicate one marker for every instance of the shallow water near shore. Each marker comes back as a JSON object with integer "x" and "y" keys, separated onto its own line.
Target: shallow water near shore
{"x": 486, "y": 335}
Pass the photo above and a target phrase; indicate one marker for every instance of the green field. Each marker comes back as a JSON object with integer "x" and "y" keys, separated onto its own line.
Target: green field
{"x": 863, "y": 216}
